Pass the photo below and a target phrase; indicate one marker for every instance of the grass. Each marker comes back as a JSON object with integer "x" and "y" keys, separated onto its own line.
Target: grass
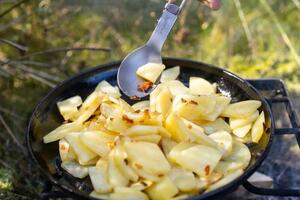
{"x": 254, "y": 39}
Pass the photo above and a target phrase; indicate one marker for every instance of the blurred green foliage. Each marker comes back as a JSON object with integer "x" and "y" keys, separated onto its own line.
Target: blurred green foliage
{"x": 214, "y": 37}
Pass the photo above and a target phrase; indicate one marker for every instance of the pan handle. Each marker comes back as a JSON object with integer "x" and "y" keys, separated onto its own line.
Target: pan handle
{"x": 295, "y": 130}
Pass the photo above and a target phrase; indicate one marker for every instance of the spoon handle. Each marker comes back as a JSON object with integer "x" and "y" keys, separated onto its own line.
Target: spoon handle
{"x": 165, "y": 25}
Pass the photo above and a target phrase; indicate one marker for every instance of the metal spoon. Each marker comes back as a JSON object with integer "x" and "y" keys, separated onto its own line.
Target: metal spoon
{"x": 128, "y": 81}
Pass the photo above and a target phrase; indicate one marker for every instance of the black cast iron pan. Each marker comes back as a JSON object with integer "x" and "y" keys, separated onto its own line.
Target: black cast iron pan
{"x": 46, "y": 117}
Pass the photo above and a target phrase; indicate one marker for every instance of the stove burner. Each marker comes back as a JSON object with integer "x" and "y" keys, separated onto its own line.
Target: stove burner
{"x": 275, "y": 92}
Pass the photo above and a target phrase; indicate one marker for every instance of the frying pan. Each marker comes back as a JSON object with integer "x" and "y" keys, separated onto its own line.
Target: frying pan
{"x": 46, "y": 117}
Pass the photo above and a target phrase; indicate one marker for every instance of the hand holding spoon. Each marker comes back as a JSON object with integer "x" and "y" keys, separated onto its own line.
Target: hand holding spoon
{"x": 128, "y": 81}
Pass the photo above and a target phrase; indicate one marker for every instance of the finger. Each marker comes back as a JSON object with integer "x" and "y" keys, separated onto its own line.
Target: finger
{"x": 213, "y": 4}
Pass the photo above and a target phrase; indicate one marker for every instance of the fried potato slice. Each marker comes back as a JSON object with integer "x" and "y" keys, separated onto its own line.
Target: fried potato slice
{"x": 241, "y": 109}
{"x": 141, "y": 185}
{"x": 108, "y": 89}
{"x": 121, "y": 160}
{"x": 166, "y": 185}
{"x": 97, "y": 142}
{"x": 164, "y": 102}
{"x": 84, "y": 155}
{"x": 193, "y": 107}
{"x": 221, "y": 104}
{"x": 224, "y": 141}
{"x": 167, "y": 144}
{"x": 184, "y": 180}
{"x": 239, "y": 122}
{"x": 176, "y": 87}
{"x": 170, "y": 74}
{"x": 75, "y": 169}
{"x": 88, "y": 107}
{"x": 217, "y": 125}
{"x": 150, "y": 71}
{"x": 61, "y": 131}
{"x": 177, "y": 128}
{"x": 227, "y": 167}
{"x": 147, "y": 138}
{"x": 242, "y": 131}
{"x": 141, "y": 105}
{"x": 127, "y": 193}
{"x": 153, "y": 160}
{"x": 197, "y": 158}
{"x": 142, "y": 130}
{"x": 65, "y": 151}
{"x": 197, "y": 135}
{"x": 96, "y": 195}
{"x": 68, "y": 108}
{"x": 240, "y": 153}
{"x": 258, "y": 128}
{"x": 200, "y": 86}
{"x": 115, "y": 176}
{"x": 99, "y": 177}
{"x": 227, "y": 179}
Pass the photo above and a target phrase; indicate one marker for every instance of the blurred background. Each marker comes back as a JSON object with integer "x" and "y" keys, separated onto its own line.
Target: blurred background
{"x": 44, "y": 42}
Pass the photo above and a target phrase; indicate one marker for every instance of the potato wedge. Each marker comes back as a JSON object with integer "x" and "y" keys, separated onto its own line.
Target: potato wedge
{"x": 166, "y": 185}
{"x": 258, "y": 128}
{"x": 241, "y": 109}
{"x": 150, "y": 71}
{"x": 184, "y": 180}
{"x": 170, "y": 74}
{"x": 75, "y": 169}
{"x": 152, "y": 155}
{"x": 224, "y": 141}
{"x": 61, "y": 131}
{"x": 239, "y": 122}
{"x": 242, "y": 131}
{"x": 217, "y": 125}
{"x": 84, "y": 155}
{"x": 200, "y": 86}
{"x": 99, "y": 178}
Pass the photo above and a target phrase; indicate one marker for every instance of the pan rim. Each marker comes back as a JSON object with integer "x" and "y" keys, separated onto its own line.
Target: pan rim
{"x": 237, "y": 182}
